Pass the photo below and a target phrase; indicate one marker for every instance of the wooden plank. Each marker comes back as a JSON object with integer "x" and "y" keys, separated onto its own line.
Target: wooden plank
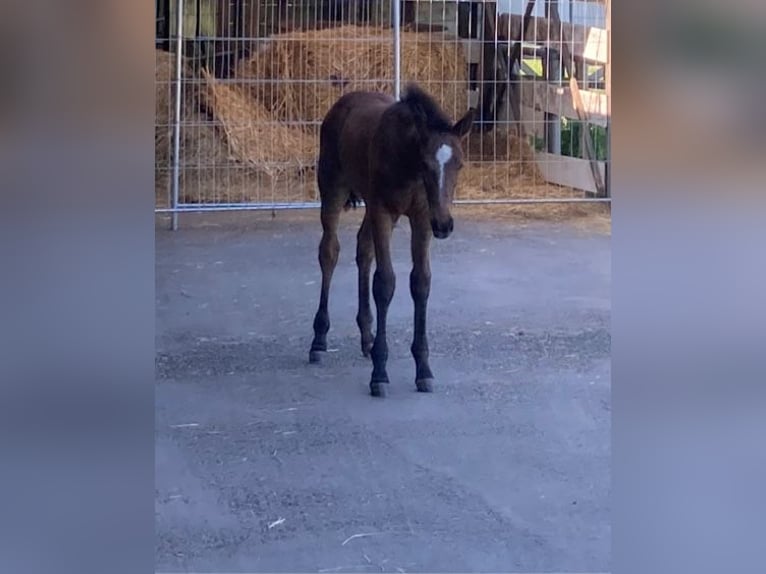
{"x": 533, "y": 121}
{"x": 473, "y": 98}
{"x": 596, "y": 46}
{"x": 586, "y": 42}
{"x": 559, "y": 100}
{"x": 568, "y": 171}
{"x": 472, "y": 50}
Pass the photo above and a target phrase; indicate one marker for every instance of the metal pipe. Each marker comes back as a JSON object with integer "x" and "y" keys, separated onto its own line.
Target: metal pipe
{"x": 177, "y": 115}
{"x": 202, "y": 208}
{"x": 397, "y": 7}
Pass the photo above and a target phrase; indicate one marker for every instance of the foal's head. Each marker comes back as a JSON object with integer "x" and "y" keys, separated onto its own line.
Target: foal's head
{"x": 439, "y": 152}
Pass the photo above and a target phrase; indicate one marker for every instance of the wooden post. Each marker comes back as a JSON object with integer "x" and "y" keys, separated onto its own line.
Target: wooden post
{"x": 552, "y": 66}
{"x": 516, "y": 53}
{"x": 494, "y": 70}
{"x": 579, "y": 107}
{"x": 408, "y": 12}
{"x": 515, "y": 58}
{"x": 581, "y": 73}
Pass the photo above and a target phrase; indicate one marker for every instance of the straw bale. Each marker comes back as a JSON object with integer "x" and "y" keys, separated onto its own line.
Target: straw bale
{"x": 164, "y": 101}
{"x": 253, "y": 135}
{"x": 300, "y": 75}
{"x": 503, "y": 180}
{"x": 202, "y": 147}
{"x": 502, "y": 145}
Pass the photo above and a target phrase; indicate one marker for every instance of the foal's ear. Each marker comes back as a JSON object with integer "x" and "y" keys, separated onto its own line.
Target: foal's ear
{"x": 463, "y": 125}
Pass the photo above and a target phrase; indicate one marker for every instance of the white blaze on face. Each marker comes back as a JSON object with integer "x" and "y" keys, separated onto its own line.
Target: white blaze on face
{"x": 443, "y": 155}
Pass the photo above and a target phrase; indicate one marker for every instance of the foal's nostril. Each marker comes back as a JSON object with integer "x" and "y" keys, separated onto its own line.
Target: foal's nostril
{"x": 442, "y": 229}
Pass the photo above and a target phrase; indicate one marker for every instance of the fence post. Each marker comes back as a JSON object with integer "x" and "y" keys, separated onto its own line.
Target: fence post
{"x": 397, "y": 7}
{"x": 177, "y": 115}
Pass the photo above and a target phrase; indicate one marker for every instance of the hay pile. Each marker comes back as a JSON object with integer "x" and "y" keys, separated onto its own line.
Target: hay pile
{"x": 299, "y": 75}
{"x": 253, "y": 135}
{"x": 501, "y": 144}
{"x": 203, "y": 157}
{"x": 500, "y": 165}
{"x": 259, "y": 133}
{"x": 164, "y": 102}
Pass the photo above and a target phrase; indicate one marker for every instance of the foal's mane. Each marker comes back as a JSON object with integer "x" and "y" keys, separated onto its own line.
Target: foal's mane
{"x": 422, "y": 105}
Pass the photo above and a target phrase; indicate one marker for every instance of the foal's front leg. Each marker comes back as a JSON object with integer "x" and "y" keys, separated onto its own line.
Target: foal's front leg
{"x": 383, "y": 285}
{"x": 420, "y": 288}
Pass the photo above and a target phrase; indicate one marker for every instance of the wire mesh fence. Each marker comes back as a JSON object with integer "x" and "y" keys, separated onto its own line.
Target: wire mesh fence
{"x": 257, "y": 76}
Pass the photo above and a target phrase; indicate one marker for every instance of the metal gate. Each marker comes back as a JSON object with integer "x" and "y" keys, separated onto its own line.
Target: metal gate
{"x": 243, "y": 85}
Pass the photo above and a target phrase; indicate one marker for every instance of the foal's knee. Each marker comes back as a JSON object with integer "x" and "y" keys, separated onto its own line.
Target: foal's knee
{"x": 383, "y": 284}
{"x": 363, "y": 257}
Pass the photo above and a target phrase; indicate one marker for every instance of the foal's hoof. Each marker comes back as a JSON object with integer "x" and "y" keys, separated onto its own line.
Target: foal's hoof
{"x": 378, "y": 389}
{"x": 425, "y": 385}
{"x": 315, "y": 356}
{"x": 366, "y": 350}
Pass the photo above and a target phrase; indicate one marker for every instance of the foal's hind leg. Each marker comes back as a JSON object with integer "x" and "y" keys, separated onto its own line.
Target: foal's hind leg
{"x": 329, "y": 248}
{"x": 365, "y": 253}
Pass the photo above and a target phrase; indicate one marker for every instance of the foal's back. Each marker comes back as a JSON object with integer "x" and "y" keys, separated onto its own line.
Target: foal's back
{"x": 344, "y": 141}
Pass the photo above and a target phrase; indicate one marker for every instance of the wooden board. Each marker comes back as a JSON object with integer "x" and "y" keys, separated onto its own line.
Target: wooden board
{"x": 586, "y": 42}
{"x": 472, "y": 50}
{"x": 558, "y": 100}
{"x": 473, "y": 98}
{"x": 569, "y": 171}
{"x": 596, "y": 46}
{"x": 534, "y": 122}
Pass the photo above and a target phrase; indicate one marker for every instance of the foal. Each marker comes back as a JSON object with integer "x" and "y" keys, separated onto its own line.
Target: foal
{"x": 402, "y": 158}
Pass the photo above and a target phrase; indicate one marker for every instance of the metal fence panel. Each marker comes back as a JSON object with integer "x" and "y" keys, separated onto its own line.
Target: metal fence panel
{"x": 238, "y": 112}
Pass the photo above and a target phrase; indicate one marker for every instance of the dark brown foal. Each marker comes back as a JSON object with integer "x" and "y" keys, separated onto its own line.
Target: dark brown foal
{"x": 401, "y": 158}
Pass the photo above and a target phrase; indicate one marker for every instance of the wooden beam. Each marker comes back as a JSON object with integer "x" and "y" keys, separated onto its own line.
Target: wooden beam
{"x": 515, "y": 58}
{"x": 559, "y": 100}
{"x": 552, "y": 72}
{"x": 517, "y": 35}
{"x": 568, "y": 171}
{"x": 495, "y": 70}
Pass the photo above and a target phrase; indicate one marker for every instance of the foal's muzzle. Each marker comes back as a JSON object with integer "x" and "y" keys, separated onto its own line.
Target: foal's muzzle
{"x": 442, "y": 229}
